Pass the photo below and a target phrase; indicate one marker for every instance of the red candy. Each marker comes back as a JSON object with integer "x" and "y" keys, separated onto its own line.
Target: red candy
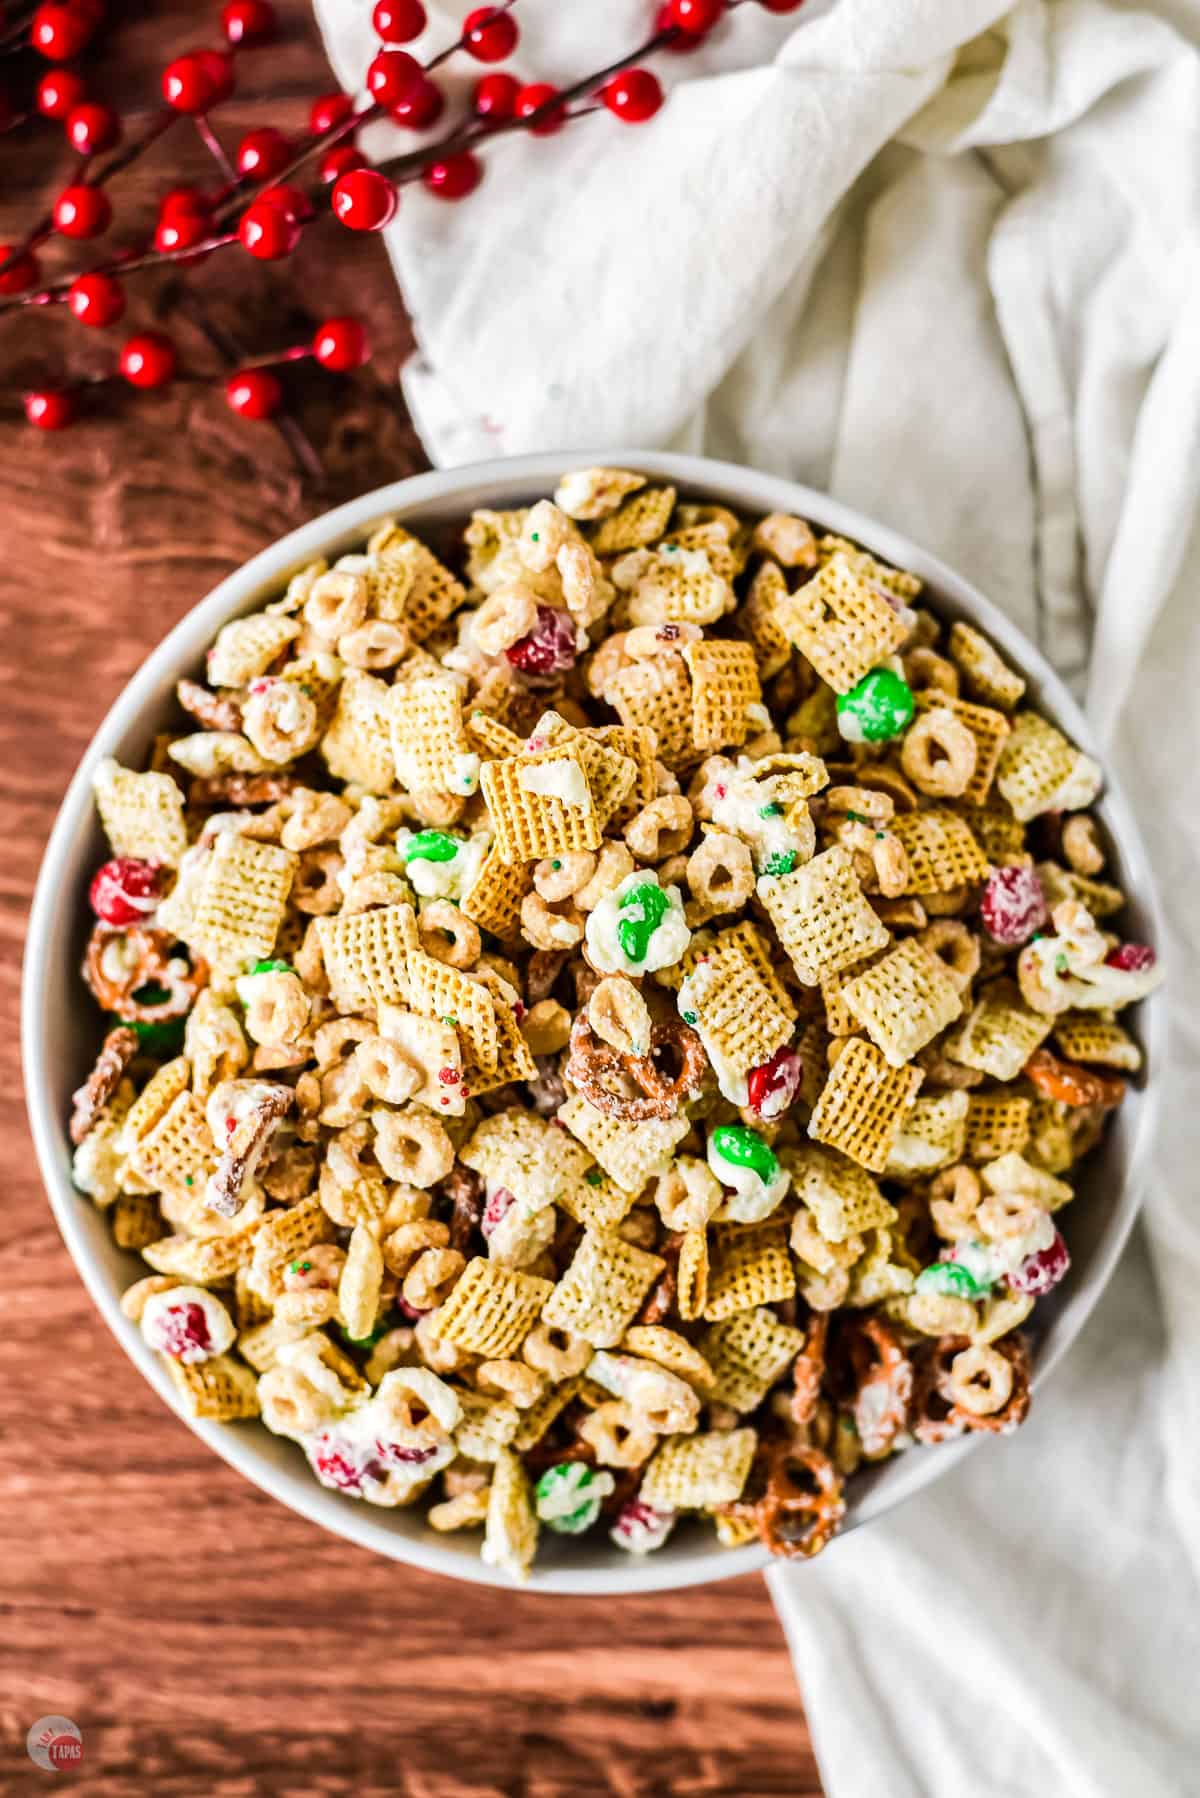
{"x": 342, "y": 1464}
{"x": 550, "y": 646}
{"x": 1134, "y": 958}
{"x": 497, "y": 1209}
{"x": 182, "y": 1333}
{"x": 1013, "y": 906}
{"x": 773, "y": 1086}
{"x": 1042, "y": 1271}
{"x": 125, "y": 891}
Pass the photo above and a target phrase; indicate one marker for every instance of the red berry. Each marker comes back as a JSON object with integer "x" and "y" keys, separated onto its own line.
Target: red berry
{"x": 50, "y": 409}
{"x": 454, "y": 177}
{"x": 781, "y": 6}
{"x": 531, "y": 99}
{"x": 21, "y": 274}
{"x": 96, "y": 299}
{"x": 391, "y": 75}
{"x": 181, "y": 230}
{"x": 550, "y": 646}
{"x": 398, "y": 21}
{"x": 696, "y": 15}
{"x": 340, "y": 344}
{"x": 249, "y": 23}
{"x": 148, "y": 360}
{"x": 184, "y": 200}
{"x": 489, "y": 35}
{"x": 327, "y": 111}
{"x": 290, "y": 200}
{"x": 1135, "y": 958}
{"x": 1013, "y": 906}
{"x": 495, "y": 97}
{"x": 365, "y": 200}
{"x": 421, "y": 106}
{"x": 255, "y": 393}
{"x": 194, "y": 82}
{"x": 772, "y": 1087}
{"x": 59, "y": 32}
{"x": 339, "y": 161}
{"x": 496, "y": 1210}
{"x": 684, "y": 42}
{"x": 263, "y": 153}
{"x": 634, "y": 96}
{"x": 92, "y": 127}
{"x": 268, "y": 231}
{"x": 125, "y": 891}
{"x": 82, "y": 211}
{"x": 1043, "y": 1270}
{"x": 59, "y": 92}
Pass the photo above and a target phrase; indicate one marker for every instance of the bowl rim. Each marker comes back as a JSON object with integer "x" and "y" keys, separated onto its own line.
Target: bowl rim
{"x": 184, "y": 646}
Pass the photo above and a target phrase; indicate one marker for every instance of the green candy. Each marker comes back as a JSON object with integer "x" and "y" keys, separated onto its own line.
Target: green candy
{"x": 431, "y": 846}
{"x": 157, "y": 1039}
{"x": 878, "y": 708}
{"x": 271, "y": 967}
{"x": 558, "y": 1489}
{"x": 951, "y": 1280}
{"x": 633, "y": 934}
{"x": 741, "y": 1147}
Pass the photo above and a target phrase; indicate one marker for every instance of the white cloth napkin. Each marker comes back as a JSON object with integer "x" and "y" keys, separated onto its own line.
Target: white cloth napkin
{"x": 941, "y": 258}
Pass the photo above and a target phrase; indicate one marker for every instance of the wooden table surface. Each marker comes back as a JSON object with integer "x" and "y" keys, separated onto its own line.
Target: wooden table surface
{"x": 205, "y": 1639}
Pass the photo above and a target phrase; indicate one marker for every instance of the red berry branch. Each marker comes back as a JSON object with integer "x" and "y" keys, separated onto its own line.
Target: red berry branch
{"x": 272, "y": 189}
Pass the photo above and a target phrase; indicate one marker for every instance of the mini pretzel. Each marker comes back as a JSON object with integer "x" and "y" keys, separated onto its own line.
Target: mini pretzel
{"x": 591, "y": 1062}
{"x": 1070, "y": 1084}
{"x": 119, "y": 963}
{"x": 808, "y": 1371}
{"x": 802, "y": 1506}
{"x": 213, "y": 710}
{"x": 939, "y": 753}
{"x": 237, "y": 790}
{"x": 244, "y": 1147}
{"x": 885, "y": 1385}
{"x": 464, "y": 1188}
{"x": 116, "y": 1052}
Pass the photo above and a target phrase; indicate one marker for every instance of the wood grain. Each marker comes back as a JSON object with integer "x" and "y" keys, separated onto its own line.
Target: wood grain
{"x": 206, "y": 1640}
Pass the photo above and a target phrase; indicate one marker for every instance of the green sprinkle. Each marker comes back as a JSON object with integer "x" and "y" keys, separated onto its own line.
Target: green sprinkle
{"x": 533, "y": 537}
{"x": 878, "y": 708}
{"x": 300, "y": 1267}
{"x": 782, "y": 862}
{"x": 188, "y": 1180}
{"x": 633, "y": 934}
{"x": 1060, "y": 963}
{"x": 431, "y": 846}
{"x": 593, "y": 1177}
{"x": 741, "y": 1147}
{"x": 450, "y": 1019}
{"x": 858, "y": 818}
{"x": 772, "y": 809}
{"x": 556, "y": 865}
{"x": 306, "y": 689}
{"x": 271, "y": 967}
{"x": 879, "y": 835}
{"x": 690, "y": 1017}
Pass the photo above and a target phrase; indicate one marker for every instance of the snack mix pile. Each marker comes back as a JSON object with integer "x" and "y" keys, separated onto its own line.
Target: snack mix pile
{"x": 581, "y": 1046}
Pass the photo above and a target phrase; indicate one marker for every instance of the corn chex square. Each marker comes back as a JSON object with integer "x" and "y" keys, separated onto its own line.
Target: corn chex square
{"x": 757, "y": 622}
{"x": 839, "y": 1019}
{"x": 357, "y": 747}
{"x": 220, "y": 1388}
{"x": 821, "y": 915}
{"x": 636, "y": 746}
{"x": 630, "y": 1154}
{"x": 511, "y": 1530}
{"x": 206, "y": 1260}
{"x": 1000, "y": 1033}
{"x": 997, "y": 1124}
{"x": 728, "y": 1003}
{"x": 749, "y": 1265}
{"x": 724, "y": 684}
{"x": 611, "y": 773}
{"x": 142, "y": 814}
{"x": 1102, "y": 898}
{"x": 429, "y": 744}
{"x": 842, "y": 1196}
{"x": 680, "y": 586}
{"x": 602, "y": 1290}
{"x": 490, "y": 737}
{"x": 242, "y": 900}
{"x": 366, "y": 955}
{"x": 906, "y": 999}
{"x": 841, "y": 622}
{"x": 694, "y": 1473}
{"x": 527, "y": 1154}
{"x": 997, "y": 832}
{"x": 493, "y": 899}
{"x": 986, "y": 675}
{"x": 485, "y": 1426}
{"x": 987, "y": 726}
{"x": 941, "y": 851}
{"x": 178, "y": 1149}
{"x": 1041, "y": 771}
{"x": 408, "y": 582}
{"x": 748, "y": 1353}
{"x": 439, "y": 991}
{"x": 641, "y": 520}
{"x": 536, "y": 1420}
{"x": 246, "y": 647}
{"x": 594, "y": 1199}
{"x": 655, "y": 694}
{"x": 492, "y": 1309}
{"x": 541, "y": 804}
{"x": 514, "y": 1058}
{"x": 1101, "y": 1042}
{"x": 899, "y": 582}
{"x": 862, "y": 1103}
{"x": 933, "y": 1134}
{"x": 280, "y": 1238}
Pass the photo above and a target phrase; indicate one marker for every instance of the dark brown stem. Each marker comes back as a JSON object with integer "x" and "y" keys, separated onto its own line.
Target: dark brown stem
{"x": 215, "y": 148}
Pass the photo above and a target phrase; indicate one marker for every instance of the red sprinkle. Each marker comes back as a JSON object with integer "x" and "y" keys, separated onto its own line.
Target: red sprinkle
{"x": 1013, "y": 906}
{"x": 449, "y": 1077}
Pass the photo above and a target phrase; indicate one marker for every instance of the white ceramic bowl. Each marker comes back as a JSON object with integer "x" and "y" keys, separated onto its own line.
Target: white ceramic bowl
{"x": 59, "y": 1025}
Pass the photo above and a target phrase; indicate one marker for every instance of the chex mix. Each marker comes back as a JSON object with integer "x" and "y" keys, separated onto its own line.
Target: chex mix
{"x": 601, "y": 1017}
